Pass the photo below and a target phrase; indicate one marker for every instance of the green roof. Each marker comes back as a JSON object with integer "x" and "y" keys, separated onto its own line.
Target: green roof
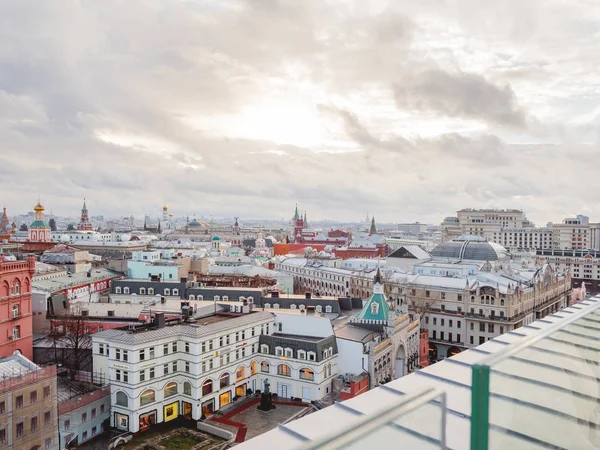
{"x": 39, "y": 224}
{"x": 380, "y": 312}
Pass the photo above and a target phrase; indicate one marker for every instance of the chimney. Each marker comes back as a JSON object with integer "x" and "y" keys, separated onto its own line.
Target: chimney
{"x": 162, "y": 300}
{"x": 275, "y": 294}
{"x": 159, "y": 319}
{"x": 307, "y": 295}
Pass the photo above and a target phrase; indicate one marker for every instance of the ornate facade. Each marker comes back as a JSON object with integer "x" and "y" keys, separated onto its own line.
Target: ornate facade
{"x": 84, "y": 223}
{"x": 39, "y": 231}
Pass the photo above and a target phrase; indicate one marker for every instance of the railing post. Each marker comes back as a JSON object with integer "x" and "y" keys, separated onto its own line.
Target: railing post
{"x": 480, "y": 407}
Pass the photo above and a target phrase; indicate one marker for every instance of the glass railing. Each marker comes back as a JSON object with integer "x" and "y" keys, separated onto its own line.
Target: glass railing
{"x": 418, "y": 420}
{"x": 544, "y": 390}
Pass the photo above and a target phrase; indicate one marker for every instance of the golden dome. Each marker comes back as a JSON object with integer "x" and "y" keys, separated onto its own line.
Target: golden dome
{"x": 171, "y": 214}
{"x": 38, "y": 207}
{"x": 165, "y": 208}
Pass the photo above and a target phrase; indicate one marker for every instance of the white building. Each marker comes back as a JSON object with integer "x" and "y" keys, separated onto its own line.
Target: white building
{"x": 192, "y": 370}
{"x": 315, "y": 276}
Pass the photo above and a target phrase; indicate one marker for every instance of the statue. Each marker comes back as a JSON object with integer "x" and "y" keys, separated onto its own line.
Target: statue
{"x": 266, "y": 399}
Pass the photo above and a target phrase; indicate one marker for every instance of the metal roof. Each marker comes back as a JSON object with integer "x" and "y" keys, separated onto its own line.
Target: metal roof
{"x": 542, "y": 393}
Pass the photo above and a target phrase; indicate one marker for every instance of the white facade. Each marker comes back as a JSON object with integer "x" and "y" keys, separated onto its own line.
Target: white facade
{"x": 313, "y": 276}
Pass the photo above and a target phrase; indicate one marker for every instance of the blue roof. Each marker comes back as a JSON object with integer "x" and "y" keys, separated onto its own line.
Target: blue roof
{"x": 216, "y": 238}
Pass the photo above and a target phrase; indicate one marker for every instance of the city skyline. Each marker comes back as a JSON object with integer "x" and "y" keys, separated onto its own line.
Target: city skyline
{"x": 408, "y": 111}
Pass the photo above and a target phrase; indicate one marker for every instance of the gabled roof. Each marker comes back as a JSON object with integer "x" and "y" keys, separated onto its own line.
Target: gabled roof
{"x": 410, "y": 252}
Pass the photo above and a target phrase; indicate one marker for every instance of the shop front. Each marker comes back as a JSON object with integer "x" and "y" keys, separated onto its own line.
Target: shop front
{"x": 224, "y": 399}
{"x": 208, "y": 407}
{"x": 171, "y": 411}
{"x": 240, "y": 391}
{"x": 147, "y": 420}
{"x": 122, "y": 421}
{"x": 187, "y": 410}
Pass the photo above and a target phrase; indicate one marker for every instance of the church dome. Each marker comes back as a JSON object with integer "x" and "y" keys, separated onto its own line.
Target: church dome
{"x": 472, "y": 248}
{"x": 194, "y": 223}
{"x": 165, "y": 208}
{"x": 38, "y": 207}
{"x": 216, "y": 238}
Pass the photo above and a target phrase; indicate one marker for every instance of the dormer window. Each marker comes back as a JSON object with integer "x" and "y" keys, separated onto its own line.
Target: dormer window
{"x": 289, "y": 353}
{"x": 264, "y": 349}
{"x": 301, "y": 354}
{"x": 278, "y": 351}
{"x": 374, "y": 308}
{"x": 312, "y": 356}
{"x": 328, "y": 309}
{"x": 167, "y": 291}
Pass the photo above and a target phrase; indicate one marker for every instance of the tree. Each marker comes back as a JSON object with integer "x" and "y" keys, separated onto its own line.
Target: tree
{"x": 24, "y": 227}
{"x": 52, "y": 224}
{"x": 70, "y": 227}
{"x": 72, "y": 341}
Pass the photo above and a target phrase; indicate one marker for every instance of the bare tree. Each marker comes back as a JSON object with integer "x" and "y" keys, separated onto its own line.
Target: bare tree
{"x": 72, "y": 341}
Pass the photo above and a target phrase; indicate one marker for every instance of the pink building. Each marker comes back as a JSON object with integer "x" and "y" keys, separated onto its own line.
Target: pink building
{"x": 15, "y": 307}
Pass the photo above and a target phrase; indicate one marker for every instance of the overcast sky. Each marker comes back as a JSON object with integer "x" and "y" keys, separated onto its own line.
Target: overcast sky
{"x": 407, "y": 110}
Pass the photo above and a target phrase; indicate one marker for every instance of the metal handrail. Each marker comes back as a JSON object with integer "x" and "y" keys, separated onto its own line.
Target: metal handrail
{"x": 372, "y": 422}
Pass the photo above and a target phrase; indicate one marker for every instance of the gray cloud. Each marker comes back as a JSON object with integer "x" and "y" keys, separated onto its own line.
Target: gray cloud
{"x": 459, "y": 94}
{"x": 417, "y": 109}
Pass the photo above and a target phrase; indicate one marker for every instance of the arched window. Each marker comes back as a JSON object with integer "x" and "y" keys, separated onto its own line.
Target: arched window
{"x": 187, "y": 388}
{"x": 207, "y": 387}
{"x": 118, "y": 290}
{"x": 191, "y": 297}
{"x": 175, "y": 291}
{"x": 224, "y": 380}
{"x": 167, "y": 291}
{"x": 240, "y": 373}
{"x": 267, "y": 305}
{"x": 142, "y": 291}
{"x": 284, "y": 369}
{"x": 264, "y": 367}
{"x": 253, "y": 368}
{"x": 501, "y": 302}
{"x": 122, "y": 398}
{"x": 307, "y": 374}
{"x": 147, "y": 397}
{"x": 170, "y": 389}
{"x": 276, "y": 305}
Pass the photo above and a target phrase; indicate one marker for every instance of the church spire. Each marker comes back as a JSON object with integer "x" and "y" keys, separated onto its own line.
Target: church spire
{"x": 373, "y": 229}
{"x": 296, "y": 215}
{"x": 305, "y": 220}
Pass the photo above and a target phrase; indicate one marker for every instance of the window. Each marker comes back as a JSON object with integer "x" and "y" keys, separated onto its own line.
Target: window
{"x": 142, "y": 291}
{"x": 33, "y": 397}
{"x": 501, "y": 329}
{"x": 187, "y": 347}
{"x": 301, "y": 354}
{"x": 46, "y": 391}
{"x": 48, "y": 444}
{"x": 142, "y": 354}
{"x": 174, "y": 366}
{"x": 207, "y": 387}
{"x": 458, "y": 338}
{"x": 481, "y": 340}
{"x": 118, "y": 290}
{"x": 501, "y": 302}
{"x": 307, "y": 374}
{"x": 187, "y": 388}
{"x": 122, "y": 399}
{"x": 187, "y": 367}
{"x": 252, "y": 368}
{"x": 175, "y": 291}
{"x": 101, "y": 409}
{"x": 434, "y": 334}
{"x": 20, "y": 429}
{"x": 442, "y": 335}
{"x": 15, "y": 311}
{"x": 93, "y": 412}
{"x": 84, "y": 417}
{"x": 67, "y": 424}
{"x": 170, "y": 390}
{"x": 34, "y": 424}
{"x": 328, "y": 308}
{"x": 47, "y": 418}
{"x": 284, "y": 369}
{"x": 126, "y": 290}
{"x": 84, "y": 436}
{"x": 471, "y": 339}
{"x": 264, "y": 367}
{"x": 472, "y": 326}
{"x": 458, "y": 324}
{"x": 19, "y": 401}
{"x": 442, "y": 322}
{"x": 150, "y": 291}
{"x": 450, "y": 323}
{"x": 118, "y": 353}
{"x": 174, "y": 347}
{"x": 224, "y": 380}
{"x": 278, "y": 351}
{"x": 312, "y": 356}
{"x": 2, "y": 407}
{"x": 427, "y": 320}
{"x": 151, "y": 352}
{"x": 118, "y": 375}
{"x": 490, "y": 327}
{"x": 166, "y": 369}
{"x": 167, "y": 291}
{"x": 318, "y": 308}
{"x": 435, "y": 320}
{"x": 142, "y": 375}
{"x": 459, "y": 297}
{"x": 482, "y": 327}
{"x": 94, "y": 431}
{"x": 289, "y": 353}
{"x": 165, "y": 349}
{"x": 450, "y": 337}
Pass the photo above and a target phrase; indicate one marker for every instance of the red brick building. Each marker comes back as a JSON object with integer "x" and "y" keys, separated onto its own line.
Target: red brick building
{"x": 15, "y": 307}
